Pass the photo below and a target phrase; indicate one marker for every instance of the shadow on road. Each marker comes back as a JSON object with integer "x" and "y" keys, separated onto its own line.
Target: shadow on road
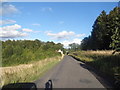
{"x": 27, "y": 86}
{"x": 93, "y": 68}
{"x": 84, "y": 66}
{"x": 98, "y": 76}
{"x": 49, "y": 85}
{"x": 20, "y": 86}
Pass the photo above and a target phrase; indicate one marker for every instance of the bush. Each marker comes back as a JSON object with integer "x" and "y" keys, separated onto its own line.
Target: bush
{"x": 26, "y": 51}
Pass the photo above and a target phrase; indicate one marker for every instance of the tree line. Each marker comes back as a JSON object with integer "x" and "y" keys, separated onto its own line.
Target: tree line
{"x": 24, "y": 51}
{"x": 105, "y": 34}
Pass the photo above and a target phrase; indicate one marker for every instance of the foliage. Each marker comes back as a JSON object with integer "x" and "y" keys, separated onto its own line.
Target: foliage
{"x": 115, "y": 16}
{"x": 105, "y": 34}
{"x": 25, "y": 51}
{"x": 74, "y": 46}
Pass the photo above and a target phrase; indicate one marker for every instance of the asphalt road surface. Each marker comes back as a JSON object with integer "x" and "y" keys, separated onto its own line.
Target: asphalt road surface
{"x": 69, "y": 73}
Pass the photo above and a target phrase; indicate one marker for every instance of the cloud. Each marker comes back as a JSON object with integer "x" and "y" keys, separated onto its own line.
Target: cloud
{"x": 14, "y": 27}
{"x": 67, "y": 42}
{"x": 61, "y": 35}
{"x": 12, "y": 31}
{"x": 47, "y": 9}
{"x": 30, "y": 30}
{"x": 80, "y": 35}
{"x": 4, "y": 22}
{"x": 27, "y": 30}
{"x": 61, "y": 22}
{"x": 36, "y": 24}
{"x": 7, "y": 9}
{"x": 64, "y": 35}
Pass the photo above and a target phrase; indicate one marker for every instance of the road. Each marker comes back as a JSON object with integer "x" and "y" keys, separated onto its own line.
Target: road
{"x": 69, "y": 73}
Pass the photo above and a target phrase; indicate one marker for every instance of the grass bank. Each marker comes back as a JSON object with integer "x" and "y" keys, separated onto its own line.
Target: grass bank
{"x": 102, "y": 61}
{"x": 26, "y": 72}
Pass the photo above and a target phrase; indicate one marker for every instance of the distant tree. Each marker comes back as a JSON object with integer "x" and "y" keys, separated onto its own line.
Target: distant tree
{"x": 74, "y": 46}
{"x": 24, "y": 51}
{"x": 7, "y": 52}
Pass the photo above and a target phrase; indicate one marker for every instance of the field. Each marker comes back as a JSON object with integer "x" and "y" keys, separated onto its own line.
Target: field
{"x": 102, "y": 61}
{"x": 26, "y": 72}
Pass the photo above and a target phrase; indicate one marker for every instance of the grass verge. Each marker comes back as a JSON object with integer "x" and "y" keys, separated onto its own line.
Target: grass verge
{"x": 27, "y": 72}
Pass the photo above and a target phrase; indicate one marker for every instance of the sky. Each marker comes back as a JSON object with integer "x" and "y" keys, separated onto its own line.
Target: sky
{"x": 60, "y": 22}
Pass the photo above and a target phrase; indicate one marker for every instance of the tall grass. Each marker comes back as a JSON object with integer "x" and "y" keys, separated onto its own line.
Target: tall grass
{"x": 102, "y": 61}
{"x": 26, "y": 72}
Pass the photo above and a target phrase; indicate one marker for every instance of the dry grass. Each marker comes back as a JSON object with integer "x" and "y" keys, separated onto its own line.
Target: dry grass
{"x": 26, "y": 72}
{"x": 92, "y": 55}
{"x": 104, "y": 52}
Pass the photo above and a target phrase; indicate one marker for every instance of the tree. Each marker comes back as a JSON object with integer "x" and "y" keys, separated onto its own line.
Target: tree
{"x": 86, "y": 44}
{"x": 101, "y": 35}
{"x": 115, "y": 24}
{"x": 25, "y": 51}
{"x": 105, "y": 33}
{"x": 74, "y": 46}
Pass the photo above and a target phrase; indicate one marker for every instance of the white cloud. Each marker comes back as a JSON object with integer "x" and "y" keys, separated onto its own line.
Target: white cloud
{"x": 61, "y": 22}
{"x": 47, "y": 9}
{"x": 80, "y": 35}
{"x": 12, "y": 31}
{"x": 76, "y": 40}
{"x": 30, "y": 30}
{"x": 3, "y": 22}
{"x": 61, "y": 35}
{"x": 36, "y": 24}
{"x": 12, "y": 27}
{"x": 6, "y": 9}
{"x": 64, "y": 35}
{"x": 27, "y": 30}
{"x": 67, "y": 42}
